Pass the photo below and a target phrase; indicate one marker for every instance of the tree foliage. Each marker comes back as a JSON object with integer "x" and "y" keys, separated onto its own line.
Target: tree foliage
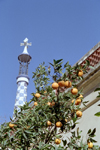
{"x": 30, "y": 128}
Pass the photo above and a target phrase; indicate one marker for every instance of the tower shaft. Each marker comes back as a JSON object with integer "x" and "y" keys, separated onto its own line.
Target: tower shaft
{"x": 22, "y": 79}
{"x": 21, "y": 95}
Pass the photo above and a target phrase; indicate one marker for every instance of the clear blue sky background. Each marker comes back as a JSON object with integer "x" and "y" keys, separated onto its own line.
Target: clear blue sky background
{"x": 65, "y": 29}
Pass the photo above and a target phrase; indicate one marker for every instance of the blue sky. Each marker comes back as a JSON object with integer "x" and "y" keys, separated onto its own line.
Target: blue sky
{"x": 58, "y": 29}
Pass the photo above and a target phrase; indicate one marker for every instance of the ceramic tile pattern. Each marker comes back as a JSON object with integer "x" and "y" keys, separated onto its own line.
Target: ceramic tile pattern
{"x": 21, "y": 96}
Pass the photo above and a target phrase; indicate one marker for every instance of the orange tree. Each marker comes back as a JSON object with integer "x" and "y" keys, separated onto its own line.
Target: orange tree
{"x": 52, "y": 112}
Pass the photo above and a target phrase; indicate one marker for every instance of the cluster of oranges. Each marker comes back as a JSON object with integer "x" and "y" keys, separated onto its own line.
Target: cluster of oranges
{"x": 77, "y": 102}
{"x": 37, "y": 95}
{"x": 67, "y": 84}
{"x": 58, "y": 124}
{"x": 74, "y": 91}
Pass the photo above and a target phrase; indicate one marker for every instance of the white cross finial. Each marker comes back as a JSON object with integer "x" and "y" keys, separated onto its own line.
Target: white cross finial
{"x": 26, "y": 44}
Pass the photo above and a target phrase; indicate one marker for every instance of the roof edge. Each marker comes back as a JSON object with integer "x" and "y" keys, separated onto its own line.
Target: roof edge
{"x": 88, "y": 54}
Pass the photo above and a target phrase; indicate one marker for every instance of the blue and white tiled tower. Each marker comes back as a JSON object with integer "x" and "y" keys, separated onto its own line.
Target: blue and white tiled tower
{"x": 22, "y": 78}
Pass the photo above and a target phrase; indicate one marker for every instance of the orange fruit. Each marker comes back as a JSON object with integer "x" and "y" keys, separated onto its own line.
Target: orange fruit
{"x": 37, "y": 95}
{"x": 75, "y": 101}
{"x": 74, "y": 91}
{"x": 78, "y": 101}
{"x": 57, "y": 141}
{"x": 45, "y": 92}
{"x": 11, "y": 125}
{"x": 49, "y": 123}
{"x": 65, "y": 120}
{"x": 61, "y": 83}
{"x": 49, "y": 103}
{"x": 68, "y": 84}
{"x": 81, "y": 96}
{"x": 58, "y": 124}
{"x": 80, "y": 73}
{"x": 78, "y": 113}
{"x": 55, "y": 85}
{"x": 35, "y": 103}
{"x": 90, "y": 145}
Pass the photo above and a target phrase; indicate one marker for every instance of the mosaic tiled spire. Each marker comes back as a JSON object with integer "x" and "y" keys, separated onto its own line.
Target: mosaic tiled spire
{"x": 22, "y": 79}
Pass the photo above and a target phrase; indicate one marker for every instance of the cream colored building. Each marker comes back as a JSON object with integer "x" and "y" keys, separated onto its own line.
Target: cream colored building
{"x": 89, "y": 84}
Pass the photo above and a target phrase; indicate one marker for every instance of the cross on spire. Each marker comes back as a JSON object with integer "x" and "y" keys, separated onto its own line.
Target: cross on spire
{"x": 26, "y": 44}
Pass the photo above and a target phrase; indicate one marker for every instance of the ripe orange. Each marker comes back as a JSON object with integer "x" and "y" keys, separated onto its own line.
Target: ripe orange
{"x": 68, "y": 84}
{"x": 78, "y": 101}
{"x": 49, "y": 103}
{"x": 75, "y": 101}
{"x": 49, "y": 123}
{"x": 61, "y": 83}
{"x": 55, "y": 85}
{"x": 90, "y": 145}
{"x": 11, "y": 125}
{"x": 74, "y": 91}
{"x": 65, "y": 120}
{"x": 78, "y": 113}
{"x": 80, "y": 73}
{"x": 57, "y": 141}
{"x": 58, "y": 124}
{"x": 81, "y": 96}
{"x": 35, "y": 103}
{"x": 37, "y": 95}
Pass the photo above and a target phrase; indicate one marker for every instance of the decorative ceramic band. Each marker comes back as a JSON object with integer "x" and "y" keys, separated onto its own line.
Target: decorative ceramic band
{"x": 23, "y": 79}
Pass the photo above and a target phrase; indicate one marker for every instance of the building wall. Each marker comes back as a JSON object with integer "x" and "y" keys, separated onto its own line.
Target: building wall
{"x": 89, "y": 120}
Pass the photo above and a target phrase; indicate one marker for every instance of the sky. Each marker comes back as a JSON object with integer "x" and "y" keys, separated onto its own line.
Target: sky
{"x": 58, "y": 29}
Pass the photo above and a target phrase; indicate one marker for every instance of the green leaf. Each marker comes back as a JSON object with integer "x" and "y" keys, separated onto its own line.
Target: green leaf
{"x": 29, "y": 132}
{"x": 51, "y": 64}
{"x": 66, "y": 64}
{"x": 24, "y": 135}
{"x": 57, "y": 61}
{"x": 78, "y": 131}
{"x": 98, "y": 96}
{"x": 93, "y": 132}
{"x": 87, "y": 62}
{"x": 85, "y": 102}
{"x": 97, "y": 114}
{"x": 54, "y": 62}
{"x": 64, "y": 142}
{"x": 73, "y": 126}
{"x": 92, "y": 140}
{"x": 97, "y": 89}
{"x": 40, "y": 145}
{"x": 89, "y": 131}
